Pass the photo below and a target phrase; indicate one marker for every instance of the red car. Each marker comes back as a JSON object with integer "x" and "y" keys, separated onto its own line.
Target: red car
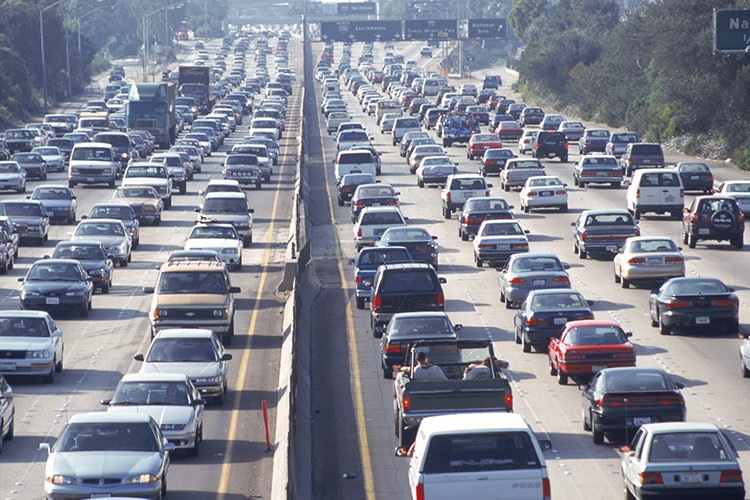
{"x": 588, "y": 346}
{"x": 479, "y": 143}
{"x": 509, "y": 131}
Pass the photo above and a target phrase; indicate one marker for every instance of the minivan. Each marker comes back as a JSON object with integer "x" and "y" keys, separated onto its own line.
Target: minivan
{"x": 655, "y": 190}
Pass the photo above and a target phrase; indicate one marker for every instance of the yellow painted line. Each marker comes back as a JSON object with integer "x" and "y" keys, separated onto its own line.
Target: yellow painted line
{"x": 359, "y": 405}
{"x": 226, "y": 467}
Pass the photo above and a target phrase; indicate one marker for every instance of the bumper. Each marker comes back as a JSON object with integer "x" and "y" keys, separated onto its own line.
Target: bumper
{"x": 621, "y": 422}
{"x": 661, "y": 209}
{"x": 580, "y": 369}
{"x": 693, "y": 493}
{"x": 81, "y": 491}
{"x": 181, "y": 439}
{"x": 212, "y": 390}
{"x": 696, "y": 318}
{"x": 219, "y": 328}
{"x": 653, "y": 273}
{"x": 15, "y": 185}
{"x": 608, "y": 247}
{"x": 26, "y": 367}
{"x": 64, "y": 303}
{"x": 546, "y": 201}
{"x": 36, "y": 173}
{"x": 600, "y": 179}
{"x": 539, "y": 336}
{"x": 496, "y": 255}
{"x": 92, "y": 179}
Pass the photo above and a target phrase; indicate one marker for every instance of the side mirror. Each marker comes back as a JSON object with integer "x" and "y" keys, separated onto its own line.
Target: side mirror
{"x": 251, "y": 210}
{"x": 545, "y": 444}
{"x": 458, "y": 327}
{"x": 105, "y": 402}
{"x": 443, "y": 280}
{"x": 226, "y": 356}
{"x": 402, "y": 452}
{"x": 628, "y": 334}
{"x": 234, "y": 289}
{"x": 44, "y": 447}
{"x": 489, "y": 185}
{"x": 148, "y": 289}
{"x": 197, "y": 210}
{"x": 199, "y": 402}
{"x": 573, "y": 224}
{"x": 590, "y": 302}
{"x": 138, "y": 357}
{"x": 566, "y": 266}
{"x": 434, "y": 237}
{"x": 84, "y": 217}
{"x": 679, "y": 385}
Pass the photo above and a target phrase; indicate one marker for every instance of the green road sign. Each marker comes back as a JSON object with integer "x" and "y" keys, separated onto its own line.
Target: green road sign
{"x": 731, "y": 31}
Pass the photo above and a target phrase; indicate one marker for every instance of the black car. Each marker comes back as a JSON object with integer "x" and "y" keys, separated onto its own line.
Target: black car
{"x": 695, "y": 176}
{"x": 477, "y": 210}
{"x": 543, "y": 315}
{"x": 406, "y": 328}
{"x": 499, "y": 117}
{"x": 370, "y": 195}
{"x": 641, "y": 155}
{"x": 420, "y": 243}
{"x": 714, "y": 218}
{"x": 32, "y": 163}
{"x": 491, "y": 82}
{"x": 551, "y": 144}
{"x": 618, "y": 400}
{"x": 57, "y": 284}
{"x": 348, "y": 184}
{"x": 493, "y": 161}
{"x": 530, "y": 116}
{"x": 120, "y": 211}
{"x": 93, "y": 257}
{"x": 694, "y": 302}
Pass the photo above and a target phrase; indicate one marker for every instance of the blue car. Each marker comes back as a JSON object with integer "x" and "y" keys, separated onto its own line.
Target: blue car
{"x": 368, "y": 261}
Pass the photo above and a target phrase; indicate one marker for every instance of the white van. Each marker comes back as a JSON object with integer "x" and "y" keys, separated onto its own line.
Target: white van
{"x": 430, "y": 87}
{"x": 656, "y": 190}
{"x": 354, "y": 161}
{"x": 92, "y": 163}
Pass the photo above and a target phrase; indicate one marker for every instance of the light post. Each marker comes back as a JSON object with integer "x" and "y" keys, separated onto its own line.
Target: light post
{"x": 44, "y": 60}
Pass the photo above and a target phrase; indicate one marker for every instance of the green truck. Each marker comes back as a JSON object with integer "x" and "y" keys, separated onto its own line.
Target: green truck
{"x": 458, "y": 392}
{"x": 151, "y": 106}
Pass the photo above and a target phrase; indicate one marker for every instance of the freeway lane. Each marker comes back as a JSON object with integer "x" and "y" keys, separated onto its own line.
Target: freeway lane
{"x": 234, "y": 462}
{"x": 707, "y": 363}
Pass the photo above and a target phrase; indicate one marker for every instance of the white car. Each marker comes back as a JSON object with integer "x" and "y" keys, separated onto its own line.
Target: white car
{"x": 52, "y": 156}
{"x": 544, "y": 191}
{"x": 222, "y": 238}
{"x": 372, "y": 223}
{"x": 497, "y": 240}
{"x": 527, "y": 141}
{"x": 386, "y": 123}
{"x": 31, "y": 343}
{"x": 740, "y": 191}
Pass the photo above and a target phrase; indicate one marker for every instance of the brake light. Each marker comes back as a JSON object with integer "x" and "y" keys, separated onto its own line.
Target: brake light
{"x": 393, "y": 202}
{"x": 486, "y": 245}
{"x": 441, "y": 299}
{"x": 566, "y": 145}
{"x": 637, "y": 232}
{"x": 678, "y": 304}
{"x": 562, "y": 280}
{"x": 515, "y": 281}
{"x": 731, "y": 476}
{"x": 637, "y": 260}
{"x": 651, "y": 478}
{"x": 571, "y": 355}
{"x": 673, "y": 260}
{"x": 723, "y": 303}
{"x": 682, "y": 193}
{"x": 448, "y": 196}
{"x": 357, "y": 280}
{"x": 561, "y": 191}
{"x": 393, "y": 348}
{"x": 514, "y": 246}
{"x": 531, "y": 193}
{"x": 359, "y": 232}
{"x": 509, "y": 402}
{"x": 487, "y": 193}
{"x": 534, "y": 321}
{"x": 694, "y": 217}
{"x": 472, "y": 220}
{"x": 583, "y": 236}
{"x": 376, "y": 302}
{"x": 419, "y": 491}
{"x": 359, "y": 204}
{"x": 637, "y": 193}
{"x": 587, "y": 174}
{"x": 546, "y": 489}
{"x": 406, "y": 404}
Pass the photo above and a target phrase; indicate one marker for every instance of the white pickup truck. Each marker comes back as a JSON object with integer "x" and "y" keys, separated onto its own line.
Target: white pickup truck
{"x": 477, "y": 455}
{"x": 459, "y": 188}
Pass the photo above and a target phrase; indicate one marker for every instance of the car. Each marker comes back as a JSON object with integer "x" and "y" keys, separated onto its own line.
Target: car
{"x": 593, "y": 140}
{"x": 423, "y": 151}
{"x": 509, "y": 131}
{"x": 657, "y": 190}
{"x": 550, "y": 144}
{"x": 386, "y": 122}
{"x": 702, "y": 302}
{"x": 435, "y": 170}
{"x": 491, "y": 82}
{"x": 641, "y": 155}
{"x": 683, "y": 459}
{"x": 335, "y": 118}
{"x": 107, "y": 454}
{"x": 222, "y": 238}
{"x": 418, "y": 241}
{"x": 497, "y": 240}
{"x": 618, "y": 400}
{"x": 367, "y": 262}
{"x": 695, "y": 176}
{"x": 405, "y": 328}
{"x": 348, "y": 184}
{"x": 93, "y": 258}
{"x": 572, "y": 130}
{"x": 527, "y": 141}
{"x": 57, "y": 285}
{"x": 120, "y": 211}
{"x": 478, "y": 209}
{"x": 10, "y": 238}
{"x": 59, "y": 202}
{"x": 32, "y": 163}
{"x": 739, "y": 190}
{"x": 528, "y": 115}
{"x": 194, "y": 155}
{"x": 544, "y": 191}
{"x": 112, "y": 233}
{"x": 155, "y": 175}
{"x": 230, "y": 208}
{"x": 530, "y": 271}
{"x": 348, "y": 139}
{"x": 460, "y": 187}
{"x": 195, "y": 352}
{"x": 713, "y": 218}
{"x": 12, "y": 177}
{"x": 7, "y": 412}
{"x": 602, "y": 231}
{"x": 8, "y": 250}
{"x": 208, "y": 256}
{"x": 479, "y": 143}
{"x": 597, "y": 169}
{"x": 425, "y": 52}
{"x": 648, "y": 258}
{"x": 373, "y": 222}
{"x": 372, "y": 195}
{"x": 409, "y": 137}
{"x": 481, "y": 114}
{"x": 30, "y": 219}
{"x": 493, "y": 161}
{"x": 618, "y": 142}
{"x": 52, "y": 156}
{"x": 144, "y": 200}
{"x": 588, "y": 346}
{"x": 551, "y": 122}
{"x": 170, "y": 399}
{"x": 498, "y": 118}
{"x": 32, "y": 345}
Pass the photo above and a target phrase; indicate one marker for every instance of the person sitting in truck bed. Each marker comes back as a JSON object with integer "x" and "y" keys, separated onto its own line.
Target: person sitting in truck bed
{"x": 425, "y": 371}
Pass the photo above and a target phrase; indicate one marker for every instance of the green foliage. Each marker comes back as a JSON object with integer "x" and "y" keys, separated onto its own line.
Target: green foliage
{"x": 523, "y": 13}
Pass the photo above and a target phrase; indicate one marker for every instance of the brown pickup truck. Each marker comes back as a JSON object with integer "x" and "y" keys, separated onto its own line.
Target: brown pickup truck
{"x": 602, "y": 231}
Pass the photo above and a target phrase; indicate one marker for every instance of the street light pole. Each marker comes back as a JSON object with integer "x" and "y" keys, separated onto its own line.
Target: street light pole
{"x": 44, "y": 60}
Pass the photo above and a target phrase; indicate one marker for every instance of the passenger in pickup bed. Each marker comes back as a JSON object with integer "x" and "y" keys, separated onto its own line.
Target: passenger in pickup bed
{"x": 426, "y": 371}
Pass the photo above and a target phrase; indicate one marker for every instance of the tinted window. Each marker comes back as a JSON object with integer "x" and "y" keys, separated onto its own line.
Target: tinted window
{"x": 480, "y": 452}
{"x": 409, "y": 281}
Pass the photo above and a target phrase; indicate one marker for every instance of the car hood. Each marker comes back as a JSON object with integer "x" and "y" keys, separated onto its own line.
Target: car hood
{"x": 5, "y": 177}
{"x": 115, "y": 463}
{"x": 197, "y": 244}
{"x": 57, "y": 203}
{"x": 193, "y": 370}
{"x": 134, "y": 202}
{"x": 26, "y": 219}
{"x": 60, "y": 287}
{"x": 196, "y": 300}
{"x": 91, "y": 265}
{"x": 167, "y": 414}
{"x": 106, "y": 240}
{"x": 24, "y": 343}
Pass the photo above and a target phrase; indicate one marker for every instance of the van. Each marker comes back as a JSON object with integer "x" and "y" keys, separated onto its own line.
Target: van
{"x": 386, "y": 106}
{"x": 641, "y": 155}
{"x": 354, "y": 161}
{"x": 92, "y": 163}
{"x": 430, "y": 87}
{"x": 656, "y": 190}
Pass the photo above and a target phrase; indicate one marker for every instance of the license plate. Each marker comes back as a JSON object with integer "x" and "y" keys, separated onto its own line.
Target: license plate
{"x": 100, "y": 495}
{"x": 375, "y": 205}
{"x": 53, "y": 300}
{"x": 7, "y": 367}
{"x": 646, "y": 162}
{"x": 669, "y": 199}
{"x": 695, "y": 177}
{"x": 653, "y": 261}
{"x": 546, "y": 193}
{"x": 690, "y": 477}
{"x": 641, "y": 420}
{"x": 90, "y": 179}
{"x": 539, "y": 282}
{"x": 704, "y": 230}
{"x": 597, "y": 368}
{"x": 559, "y": 321}
{"x": 550, "y": 155}
{"x": 501, "y": 246}
{"x": 611, "y": 248}
{"x": 702, "y": 320}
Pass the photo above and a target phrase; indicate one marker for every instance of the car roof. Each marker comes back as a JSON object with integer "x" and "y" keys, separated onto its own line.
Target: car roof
{"x": 95, "y": 417}
{"x": 181, "y": 333}
{"x": 663, "y": 427}
{"x": 617, "y": 211}
{"x": 154, "y": 377}
{"x": 10, "y": 313}
{"x": 421, "y": 314}
{"x": 226, "y": 194}
{"x": 473, "y": 422}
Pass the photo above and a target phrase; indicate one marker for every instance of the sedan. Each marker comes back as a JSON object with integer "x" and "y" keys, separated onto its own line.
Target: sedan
{"x": 31, "y": 343}
{"x": 497, "y": 240}
{"x": 121, "y": 212}
{"x": 508, "y": 131}
{"x": 372, "y": 195}
{"x": 222, "y": 238}
{"x": 648, "y": 258}
{"x": 544, "y": 191}
{"x": 435, "y": 170}
{"x": 197, "y": 353}
{"x": 12, "y": 177}
{"x": 686, "y": 460}
{"x": 52, "y": 156}
{"x": 479, "y": 143}
{"x": 530, "y": 271}
{"x": 59, "y": 201}
{"x": 170, "y": 399}
{"x": 112, "y": 233}
{"x": 572, "y": 130}
{"x": 478, "y": 209}
{"x": 588, "y": 346}
{"x": 32, "y": 163}
{"x": 421, "y": 152}
{"x": 695, "y": 176}
{"x": 405, "y": 328}
{"x": 602, "y": 231}
{"x": 527, "y": 141}
{"x": 7, "y": 412}
{"x": 700, "y": 302}
{"x": 420, "y": 243}
{"x": 493, "y": 161}
{"x": 145, "y": 201}
{"x": 544, "y": 314}
{"x": 348, "y": 184}
{"x": 57, "y": 284}
{"x": 740, "y": 191}
{"x": 94, "y": 259}
{"x": 620, "y": 400}
{"x": 102, "y": 454}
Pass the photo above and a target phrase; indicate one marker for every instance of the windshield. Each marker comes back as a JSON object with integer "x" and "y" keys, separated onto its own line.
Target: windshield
{"x": 54, "y": 272}
{"x": 225, "y": 205}
{"x": 154, "y": 171}
{"x": 123, "y": 213}
{"x": 190, "y": 282}
{"x": 108, "y": 436}
{"x": 79, "y": 252}
{"x": 23, "y": 209}
{"x": 23, "y": 327}
{"x": 139, "y": 192}
{"x": 98, "y": 154}
{"x": 96, "y": 228}
{"x": 152, "y": 393}
{"x": 52, "y": 194}
{"x": 182, "y": 350}
{"x": 9, "y": 168}
{"x": 225, "y": 232}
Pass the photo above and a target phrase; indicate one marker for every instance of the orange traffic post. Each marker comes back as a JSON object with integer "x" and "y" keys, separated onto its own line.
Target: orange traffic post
{"x": 265, "y": 424}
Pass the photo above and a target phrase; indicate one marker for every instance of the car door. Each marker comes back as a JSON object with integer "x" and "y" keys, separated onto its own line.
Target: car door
{"x": 670, "y": 189}
{"x": 632, "y": 461}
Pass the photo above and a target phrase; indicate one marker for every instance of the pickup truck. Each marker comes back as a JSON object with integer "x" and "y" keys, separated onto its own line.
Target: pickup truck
{"x": 243, "y": 168}
{"x": 458, "y": 392}
{"x": 602, "y": 231}
{"x": 478, "y": 455}
{"x": 150, "y": 174}
{"x": 517, "y": 170}
{"x": 459, "y": 188}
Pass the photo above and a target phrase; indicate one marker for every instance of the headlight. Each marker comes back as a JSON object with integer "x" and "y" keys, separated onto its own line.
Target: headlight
{"x": 208, "y": 380}
{"x": 124, "y": 156}
{"x": 161, "y": 313}
{"x": 29, "y": 293}
{"x": 76, "y": 293}
{"x": 220, "y": 313}
{"x": 98, "y": 273}
{"x": 39, "y": 354}
{"x": 142, "y": 479}
{"x": 230, "y": 251}
{"x": 172, "y": 427}
{"x": 59, "y": 479}
{"x": 123, "y": 247}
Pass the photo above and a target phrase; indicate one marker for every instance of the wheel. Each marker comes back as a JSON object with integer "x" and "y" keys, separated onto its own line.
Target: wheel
{"x": 195, "y": 450}
{"x": 614, "y": 185}
{"x": 360, "y": 302}
{"x": 552, "y": 369}
{"x": 387, "y": 373}
{"x": 582, "y": 254}
{"x": 732, "y": 328}
{"x": 111, "y": 184}
{"x": 562, "y": 378}
{"x": 586, "y": 425}
{"x": 508, "y": 304}
{"x": 50, "y": 377}
{"x": 477, "y": 261}
{"x": 247, "y": 241}
{"x": 420, "y": 183}
{"x": 124, "y": 263}
{"x": 691, "y": 240}
{"x": 596, "y": 433}
{"x": 617, "y": 278}
{"x": 626, "y": 494}
{"x": 737, "y": 242}
{"x": 183, "y": 189}
{"x": 636, "y": 214}
{"x": 105, "y": 288}
{"x": 506, "y": 187}
{"x": 71, "y": 184}
{"x": 446, "y": 212}
{"x": 525, "y": 209}
{"x": 525, "y": 346}
{"x": 502, "y": 296}
{"x": 664, "y": 329}
{"x": 625, "y": 283}
{"x": 516, "y": 337}
{"x": 743, "y": 368}
{"x": 564, "y": 208}
{"x": 84, "y": 312}
{"x": 168, "y": 203}
{"x": 341, "y": 202}
{"x": 464, "y": 236}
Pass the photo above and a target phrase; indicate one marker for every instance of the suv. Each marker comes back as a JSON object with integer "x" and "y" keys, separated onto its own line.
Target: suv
{"x": 714, "y": 218}
{"x": 551, "y": 144}
{"x": 403, "y": 125}
{"x": 229, "y": 208}
{"x": 641, "y": 155}
{"x": 193, "y": 295}
{"x": 491, "y": 82}
{"x": 150, "y": 174}
{"x": 531, "y": 116}
{"x": 403, "y": 288}
{"x": 459, "y": 188}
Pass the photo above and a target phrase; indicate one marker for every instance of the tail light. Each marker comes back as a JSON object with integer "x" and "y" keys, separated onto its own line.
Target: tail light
{"x": 534, "y": 321}
{"x": 694, "y": 217}
{"x": 393, "y": 348}
{"x": 486, "y": 246}
{"x": 562, "y": 280}
{"x": 531, "y": 193}
{"x": 566, "y": 145}
{"x": 723, "y": 303}
{"x": 509, "y": 402}
{"x": 561, "y": 191}
{"x": 487, "y": 193}
{"x": 637, "y": 193}
{"x": 637, "y": 232}
{"x": 731, "y": 476}
{"x": 441, "y": 300}
{"x": 673, "y": 260}
{"x": 546, "y": 489}
{"x": 406, "y": 404}
{"x": 359, "y": 204}
{"x": 357, "y": 280}
{"x": 637, "y": 261}
{"x": 682, "y": 192}
{"x": 448, "y": 196}
{"x": 572, "y": 355}
{"x": 393, "y": 202}
{"x": 359, "y": 232}
{"x": 376, "y": 302}
{"x": 651, "y": 478}
{"x": 583, "y": 236}
{"x": 419, "y": 491}
{"x": 515, "y": 281}
{"x": 678, "y": 304}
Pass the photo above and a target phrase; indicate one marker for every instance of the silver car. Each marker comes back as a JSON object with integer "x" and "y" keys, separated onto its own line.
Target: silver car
{"x": 59, "y": 201}
{"x": 530, "y": 271}
{"x": 7, "y": 412}
{"x": 52, "y": 156}
{"x": 102, "y": 454}
{"x": 111, "y": 232}
{"x": 172, "y": 401}
{"x": 31, "y": 343}
{"x": 12, "y": 176}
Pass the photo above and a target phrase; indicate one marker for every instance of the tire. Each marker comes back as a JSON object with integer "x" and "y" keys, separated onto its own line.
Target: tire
{"x": 597, "y": 434}
{"x": 525, "y": 346}
{"x": 502, "y": 296}
{"x": 691, "y": 240}
{"x": 447, "y": 213}
{"x": 663, "y": 328}
{"x": 732, "y": 329}
{"x": 506, "y": 187}
{"x": 516, "y": 337}
{"x": 743, "y": 369}
{"x": 738, "y": 242}
{"x": 617, "y": 278}
{"x": 105, "y": 288}
{"x": 124, "y": 263}
{"x": 168, "y": 203}
{"x": 341, "y": 202}
{"x": 582, "y": 254}
{"x": 552, "y": 369}
{"x": 50, "y": 377}
{"x": 564, "y": 208}
{"x": 508, "y": 304}
{"x": 387, "y": 374}
{"x": 626, "y": 493}
{"x": 525, "y": 209}
{"x": 195, "y": 450}
{"x": 71, "y": 184}
{"x": 477, "y": 261}
{"x": 624, "y": 283}
{"x": 360, "y": 302}
{"x": 246, "y": 242}
{"x": 586, "y": 425}
{"x": 84, "y": 312}
{"x": 420, "y": 184}
{"x": 562, "y": 378}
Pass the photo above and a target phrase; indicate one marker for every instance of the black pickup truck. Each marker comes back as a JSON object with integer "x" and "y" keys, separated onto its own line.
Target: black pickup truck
{"x": 403, "y": 288}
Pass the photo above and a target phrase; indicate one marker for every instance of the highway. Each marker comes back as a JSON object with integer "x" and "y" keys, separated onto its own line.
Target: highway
{"x": 352, "y": 415}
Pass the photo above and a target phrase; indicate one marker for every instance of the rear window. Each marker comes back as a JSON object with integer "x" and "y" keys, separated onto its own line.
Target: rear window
{"x": 409, "y": 281}
{"x": 462, "y": 184}
{"x": 647, "y": 150}
{"x": 381, "y": 219}
{"x": 660, "y": 179}
{"x": 382, "y": 256}
{"x": 480, "y": 452}
{"x": 353, "y": 158}
{"x": 407, "y": 122}
{"x": 98, "y": 154}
